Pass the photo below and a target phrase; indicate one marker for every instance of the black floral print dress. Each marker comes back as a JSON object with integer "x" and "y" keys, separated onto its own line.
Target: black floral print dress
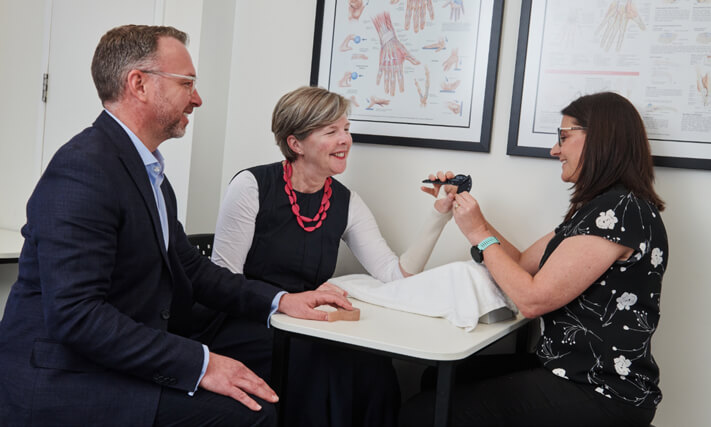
{"x": 603, "y": 337}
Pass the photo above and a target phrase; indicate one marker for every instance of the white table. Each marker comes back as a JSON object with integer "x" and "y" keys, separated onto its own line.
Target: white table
{"x": 11, "y": 242}
{"x": 428, "y": 340}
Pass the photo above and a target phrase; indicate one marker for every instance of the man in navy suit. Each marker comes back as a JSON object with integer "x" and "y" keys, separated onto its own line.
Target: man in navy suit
{"x": 94, "y": 331}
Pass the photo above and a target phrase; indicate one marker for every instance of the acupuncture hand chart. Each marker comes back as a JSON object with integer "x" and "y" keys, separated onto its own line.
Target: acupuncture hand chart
{"x": 405, "y": 61}
{"x": 657, "y": 53}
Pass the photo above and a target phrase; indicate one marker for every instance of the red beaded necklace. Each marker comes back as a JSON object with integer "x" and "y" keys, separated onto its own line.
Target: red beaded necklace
{"x": 325, "y": 203}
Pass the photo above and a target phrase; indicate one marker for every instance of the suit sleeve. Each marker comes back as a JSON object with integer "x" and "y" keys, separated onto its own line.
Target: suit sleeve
{"x": 215, "y": 286}
{"x": 76, "y": 223}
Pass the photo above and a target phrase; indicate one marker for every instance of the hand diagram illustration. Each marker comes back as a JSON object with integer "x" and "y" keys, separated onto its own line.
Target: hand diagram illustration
{"x": 424, "y": 94}
{"x": 450, "y": 86}
{"x": 355, "y": 9}
{"x": 452, "y": 61}
{"x": 346, "y": 45}
{"x": 436, "y": 46}
{"x": 455, "y": 107}
{"x": 457, "y": 9}
{"x": 614, "y": 24}
{"x": 346, "y": 79}
{"x": 392, "y": 54}
{"x": 354, "y": 101}
{"x": 377, "y": 101}
{"x": 359, "y": 56}
{"x": 416, "y": 11}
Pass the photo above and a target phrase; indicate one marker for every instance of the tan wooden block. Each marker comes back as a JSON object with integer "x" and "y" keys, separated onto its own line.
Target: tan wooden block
{"x": 341, "y": 314}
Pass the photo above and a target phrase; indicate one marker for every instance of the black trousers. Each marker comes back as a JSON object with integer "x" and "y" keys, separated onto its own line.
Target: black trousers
{"x": 515, "y": 390}
{"x": 205, "y": 408}
{"x": 327, "y": 385}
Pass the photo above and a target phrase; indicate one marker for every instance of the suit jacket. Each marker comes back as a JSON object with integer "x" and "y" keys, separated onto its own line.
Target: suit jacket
{"x": 97, "y": 321}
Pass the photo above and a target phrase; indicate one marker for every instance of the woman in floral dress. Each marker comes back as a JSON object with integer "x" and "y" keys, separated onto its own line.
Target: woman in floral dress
{"x": 595, "y": 282}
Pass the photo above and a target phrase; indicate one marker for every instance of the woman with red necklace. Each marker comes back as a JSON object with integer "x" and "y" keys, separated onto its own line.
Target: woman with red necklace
{"x": 282, "y": 223}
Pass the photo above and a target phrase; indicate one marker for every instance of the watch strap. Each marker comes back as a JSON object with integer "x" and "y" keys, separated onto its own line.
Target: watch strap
{"x": 487, "y": 242}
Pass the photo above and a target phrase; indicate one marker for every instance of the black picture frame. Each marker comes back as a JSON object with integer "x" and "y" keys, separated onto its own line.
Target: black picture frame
{"x": 475, "y": 135}
{"x": 667, "y": 152}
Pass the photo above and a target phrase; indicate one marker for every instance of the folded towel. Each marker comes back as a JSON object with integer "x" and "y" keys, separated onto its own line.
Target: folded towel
{"x": 461, "y": 292}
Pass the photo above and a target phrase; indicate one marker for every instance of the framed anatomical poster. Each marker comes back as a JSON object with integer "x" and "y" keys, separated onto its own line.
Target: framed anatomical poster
{"x": 417, "y": 72}
{"x": 656, "y": 53}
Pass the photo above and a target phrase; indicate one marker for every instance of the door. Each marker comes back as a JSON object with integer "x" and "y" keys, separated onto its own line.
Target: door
{"x": 75, "y": 29}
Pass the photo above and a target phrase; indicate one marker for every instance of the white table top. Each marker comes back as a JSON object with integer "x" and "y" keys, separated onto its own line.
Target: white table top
{"x": 11, "y": 242}
{"x": 414, "y": 335}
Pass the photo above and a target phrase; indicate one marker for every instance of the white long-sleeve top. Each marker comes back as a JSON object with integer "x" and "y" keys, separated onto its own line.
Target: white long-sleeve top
{"x": 237, "y": 217}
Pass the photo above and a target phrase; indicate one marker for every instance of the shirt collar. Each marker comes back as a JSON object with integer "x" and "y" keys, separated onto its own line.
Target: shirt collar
{"x": 147, "y": 157}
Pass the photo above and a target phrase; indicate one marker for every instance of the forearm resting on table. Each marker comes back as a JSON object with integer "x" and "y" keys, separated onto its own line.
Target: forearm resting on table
{"x": 572, "y": 267}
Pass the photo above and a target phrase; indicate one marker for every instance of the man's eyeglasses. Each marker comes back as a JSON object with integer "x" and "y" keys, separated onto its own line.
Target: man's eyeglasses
{"x": 560, "y": 143}
{"x": 189, "y": 84}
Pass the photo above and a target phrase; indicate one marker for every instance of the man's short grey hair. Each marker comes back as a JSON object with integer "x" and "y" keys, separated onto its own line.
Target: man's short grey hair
{"x": 126, "y": 48}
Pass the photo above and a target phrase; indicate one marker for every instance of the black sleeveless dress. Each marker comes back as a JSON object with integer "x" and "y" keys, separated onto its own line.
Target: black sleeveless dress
{"x": 327, "y": 385}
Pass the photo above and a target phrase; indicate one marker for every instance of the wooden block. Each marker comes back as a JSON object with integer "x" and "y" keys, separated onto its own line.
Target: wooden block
{"x": 341, "y": 314}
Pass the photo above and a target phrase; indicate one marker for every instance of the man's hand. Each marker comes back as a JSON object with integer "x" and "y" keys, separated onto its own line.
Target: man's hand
{"x": 231, "y": 378}
{"x": 302, "y": 305}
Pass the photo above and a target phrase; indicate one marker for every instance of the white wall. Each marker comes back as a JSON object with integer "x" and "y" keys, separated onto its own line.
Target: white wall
{"x": 211, "y": 119}
{"x": 21, "y": 31}
{"x": 523, "y": 197}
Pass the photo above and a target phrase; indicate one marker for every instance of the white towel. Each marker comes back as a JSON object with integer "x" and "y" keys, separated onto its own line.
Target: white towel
{"x": 461, "y": 292}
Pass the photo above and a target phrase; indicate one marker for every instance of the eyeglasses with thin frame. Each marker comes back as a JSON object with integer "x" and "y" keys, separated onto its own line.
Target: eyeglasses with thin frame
{"x": 560, "y": 143}
{"x": 192, "y": 79}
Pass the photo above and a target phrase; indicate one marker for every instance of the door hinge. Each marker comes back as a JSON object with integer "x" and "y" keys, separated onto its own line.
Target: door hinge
{"x": 45, "y": 80}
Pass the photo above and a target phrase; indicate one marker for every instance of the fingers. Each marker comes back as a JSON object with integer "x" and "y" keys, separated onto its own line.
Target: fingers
{"x": 412, "y": 59}
{"x": 393, "y": 77}
{"x": 416, "y": 19}
{"x": 451, "y": 189}
{"x": 443, "y": 176}
{"x": 430, "y": 190}
{"x": 464, "y": 203}
{"x": 400, "y": 80}
{"x": 326, "y": 286}
{"x": 246, "y": 383}
{"x": 423, "y": 9}
{"x": 408, "y": 15}
{"x": 244, "y": 399}
{"x": 440, "y": 176}
{"x": 322, "y": 298}
{"x": 232, "y": 378}
{"x": 443, "y": 205}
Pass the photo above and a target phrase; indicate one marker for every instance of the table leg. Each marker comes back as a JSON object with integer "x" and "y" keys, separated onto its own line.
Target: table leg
{"x": 445, "y": 378}
{"x": 522, "y": 338}
{"x": 280, "y": 370}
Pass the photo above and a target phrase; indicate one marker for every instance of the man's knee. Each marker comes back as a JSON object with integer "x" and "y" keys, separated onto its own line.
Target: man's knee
{"x": 266, "y": 417}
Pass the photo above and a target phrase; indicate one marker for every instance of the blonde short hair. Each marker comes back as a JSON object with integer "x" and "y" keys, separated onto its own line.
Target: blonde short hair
{"x": 302, "y": 111}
